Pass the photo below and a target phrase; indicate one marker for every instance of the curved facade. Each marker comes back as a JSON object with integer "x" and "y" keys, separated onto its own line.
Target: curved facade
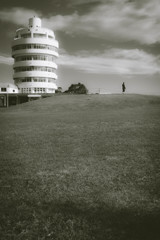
{"x": 35, "y": 51}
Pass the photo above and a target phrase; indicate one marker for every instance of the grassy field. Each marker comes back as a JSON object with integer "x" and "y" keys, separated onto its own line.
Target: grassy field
{"x": 81, "y": 168}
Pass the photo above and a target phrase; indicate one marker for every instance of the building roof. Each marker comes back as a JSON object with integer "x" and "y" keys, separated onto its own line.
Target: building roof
{"x": 8, "y": 85}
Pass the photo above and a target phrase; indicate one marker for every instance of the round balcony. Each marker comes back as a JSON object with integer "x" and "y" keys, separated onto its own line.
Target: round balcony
{"x": 46, "y": 41}
{"x": 22, "y": 52}
{"x": 35, "y": 63}
{"x": 42, "y": 74}
{"x": 37, "y": 85}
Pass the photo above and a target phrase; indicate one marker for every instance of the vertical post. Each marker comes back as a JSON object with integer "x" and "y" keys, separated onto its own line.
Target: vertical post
{"x": 7, "y": 102}
{"x": 16, "y": 99}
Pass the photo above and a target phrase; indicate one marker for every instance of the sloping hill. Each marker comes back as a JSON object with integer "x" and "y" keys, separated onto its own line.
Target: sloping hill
{"x": 81, "y": 167}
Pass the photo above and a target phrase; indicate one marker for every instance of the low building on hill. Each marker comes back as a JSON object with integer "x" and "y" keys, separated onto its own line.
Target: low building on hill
{"x": 8, "y": 88}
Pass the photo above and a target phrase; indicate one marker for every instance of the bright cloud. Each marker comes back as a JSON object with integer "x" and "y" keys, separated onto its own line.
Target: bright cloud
{"x": 113, "y": 61}
{"x": 18, "y": 15}
{"x": 59, "y": 22}
{"x": 6, "y": 60}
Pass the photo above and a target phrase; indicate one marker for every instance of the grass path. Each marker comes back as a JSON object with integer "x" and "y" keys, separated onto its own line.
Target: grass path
{"x": 81, "y": 168}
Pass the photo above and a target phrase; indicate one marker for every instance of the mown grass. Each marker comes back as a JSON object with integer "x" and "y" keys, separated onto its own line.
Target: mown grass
{"x": 81, "y": 168}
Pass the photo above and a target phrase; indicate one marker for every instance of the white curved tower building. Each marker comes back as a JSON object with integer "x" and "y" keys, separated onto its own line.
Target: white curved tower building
{"x": 35, "y": 51}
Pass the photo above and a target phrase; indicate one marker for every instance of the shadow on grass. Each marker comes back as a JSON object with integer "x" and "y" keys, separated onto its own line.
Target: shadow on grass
{"x": 68, "y": 220}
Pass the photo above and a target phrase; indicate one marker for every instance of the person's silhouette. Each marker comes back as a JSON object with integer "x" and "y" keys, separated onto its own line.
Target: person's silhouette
{"x": 123, "y": 87}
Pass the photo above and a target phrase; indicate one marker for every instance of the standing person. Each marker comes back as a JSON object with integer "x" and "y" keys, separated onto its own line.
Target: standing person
{"x": 123, "y": 87}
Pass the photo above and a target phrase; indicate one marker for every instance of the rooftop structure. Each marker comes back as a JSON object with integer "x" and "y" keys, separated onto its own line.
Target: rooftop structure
{"x": 35, "y": 51}
{"x": 8, "y": 88}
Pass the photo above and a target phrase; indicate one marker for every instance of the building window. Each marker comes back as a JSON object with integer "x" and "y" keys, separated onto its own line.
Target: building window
{"x": 26, "y": 90}
{"x": 32, "y": 46}
{"x": 34, "y": 68}
{"x": 36, "y": 57}
{"x": 39, "y": 35}
{"x": 3, "y": 89}
{"x": 26, "y": 35}
{"x": 31, "y": 79}
{"x": 39, "y": 79}
{"x": 39, "y": 90}
{"x": 26, "y": 79}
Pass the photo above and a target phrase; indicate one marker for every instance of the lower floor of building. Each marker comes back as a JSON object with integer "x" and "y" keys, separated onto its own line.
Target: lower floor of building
{"x": 7, "y": 100}
{"x": 36, "y": 90}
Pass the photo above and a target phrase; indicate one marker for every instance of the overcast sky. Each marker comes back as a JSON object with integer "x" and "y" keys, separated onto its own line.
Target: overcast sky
{"x": 102, "y": 42}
